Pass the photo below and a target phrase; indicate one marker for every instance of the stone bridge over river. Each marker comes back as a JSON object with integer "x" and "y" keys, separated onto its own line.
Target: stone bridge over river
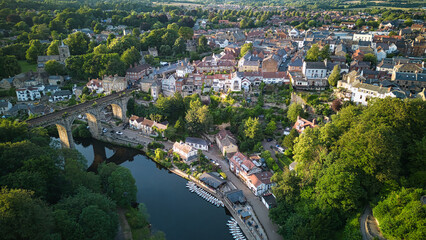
{"x": 64, "y": 118}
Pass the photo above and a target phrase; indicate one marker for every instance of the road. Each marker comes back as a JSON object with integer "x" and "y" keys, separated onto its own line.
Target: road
{"x": 259, "y": 208}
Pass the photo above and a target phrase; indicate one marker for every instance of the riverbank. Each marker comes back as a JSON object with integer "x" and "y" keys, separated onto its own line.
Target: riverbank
{"x": 258, "y": 234}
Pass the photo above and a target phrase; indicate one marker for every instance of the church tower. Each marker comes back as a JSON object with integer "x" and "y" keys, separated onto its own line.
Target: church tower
{"x": 64, "y": 52}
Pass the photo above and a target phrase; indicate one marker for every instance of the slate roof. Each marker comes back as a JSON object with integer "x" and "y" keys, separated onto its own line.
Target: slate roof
{"x": 211, "y": 180}
{"x": 196, "y": 140}
{"x": 421, "y": 77}
{"x": 236, "y": 196}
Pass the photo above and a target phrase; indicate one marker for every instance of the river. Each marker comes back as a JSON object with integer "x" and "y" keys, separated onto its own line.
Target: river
{"x": 180, "y": 214}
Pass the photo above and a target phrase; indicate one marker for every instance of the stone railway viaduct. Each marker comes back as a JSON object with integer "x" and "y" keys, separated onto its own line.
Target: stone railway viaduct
{"x": 64, "y": 118}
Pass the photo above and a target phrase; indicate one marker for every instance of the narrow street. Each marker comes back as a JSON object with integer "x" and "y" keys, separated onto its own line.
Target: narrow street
{"x": 259, "y": 208}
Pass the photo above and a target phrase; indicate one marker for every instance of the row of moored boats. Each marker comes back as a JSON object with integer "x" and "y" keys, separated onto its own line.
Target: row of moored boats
{"x": 202, "y": 193}
{"x": 235, "y": 230}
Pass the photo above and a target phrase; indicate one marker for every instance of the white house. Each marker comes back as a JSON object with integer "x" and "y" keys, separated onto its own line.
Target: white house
{"x": 314, "y": 70}
{"x": 260, "y": 182}
{"x": 185, "y": 151}
{"x": 294, "y": 32}
{"x": 362, "y": 92}
{"x": 362, "y": 37}
{"x": 28, "y": 94}
{"x": 61, "y": 95}
{"x": 197, "y": 143}
{"x": 168, "y": 85}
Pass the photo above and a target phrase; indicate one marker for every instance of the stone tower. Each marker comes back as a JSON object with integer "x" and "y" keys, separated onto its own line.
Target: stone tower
{"x": 64, "y": 52}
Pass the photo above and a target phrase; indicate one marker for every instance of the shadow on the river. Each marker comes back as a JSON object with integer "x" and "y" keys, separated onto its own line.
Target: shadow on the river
{"x": 121, "y": 154}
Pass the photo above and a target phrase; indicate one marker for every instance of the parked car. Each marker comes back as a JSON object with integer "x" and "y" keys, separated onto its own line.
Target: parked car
{"x": 269, "y": 139}
{"x": 119, "y": 133}
{"x": 104, "y": 130}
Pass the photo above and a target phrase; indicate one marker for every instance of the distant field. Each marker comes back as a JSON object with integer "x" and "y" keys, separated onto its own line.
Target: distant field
{"x": 26, "y": 67}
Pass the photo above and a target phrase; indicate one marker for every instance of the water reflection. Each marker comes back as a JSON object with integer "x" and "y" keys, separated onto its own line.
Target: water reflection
{"x": 173, "y": 209}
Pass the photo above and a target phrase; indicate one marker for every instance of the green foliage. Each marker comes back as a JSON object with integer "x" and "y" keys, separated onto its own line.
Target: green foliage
{"x": 313, "y": 53}
{"x": 334, "y": 76}
{"x": 271, "y": 128}
{"x": 252, "y": 128}
{"x": 288, "y": 141}
{"x": 352, "y": 229}
{"x": 9, "y": 66}
{"x": 402, "y": 215}
{"x": 294, "y": 110}
{"x": 369, "y": 57}
{"x": 54, "y": 68}
{"x": 246, "y": 48}
{"x": 198, "y": 117}
{"x": 353, "y": 160}
{"x": 23, "y": 216}
{"x": 77, "y": 43}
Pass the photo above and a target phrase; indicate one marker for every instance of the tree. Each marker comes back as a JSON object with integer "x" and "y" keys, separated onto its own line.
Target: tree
{"x": 370, "y": 57}
{"x": 173, "y": 26}
{"x": 288, "y": 141}
{"x": 360, "y": 22}
{"x": 325, "y": 52}
{"x": 82, "y": 210}
{"x": 111, "y": 37}
{"x": 9, "y": 66}
{"x": 334, "y": 76}
{"x": 54, "y": 68}
{"x": 313, "y": 53}
{"x": 336, "y": 105}
{"x": 34, "y": 51}
{"x": 271, "y": 128}
{"x": 246, "y": 48}
{"x": 202, "y": 44}
{"x": 53, "y": 48}
{"x": 312, "y": 23}
{"x": 22, "y": 216}
{"x": 402, "y": 215}
{"x": 77, "y": 43}
{"x": 131, "y": 56}
{"x": 294, "y": 110}
{"x": 198, "y": 117}
{"x": 252, "y": 128}
{"x": 98, "y": 28}
{"x": 186, "y": 33}
{"x": 392, "y": 33}
{"x": 179, "y": 46}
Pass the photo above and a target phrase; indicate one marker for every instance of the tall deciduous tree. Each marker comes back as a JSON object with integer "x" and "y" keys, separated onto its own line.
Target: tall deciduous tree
{"x": 334, "y": 76}
{"x": 293, "y": 111}
{"x": 9, "y": 66}
{"x": 22, "y": 216}
{"x": 186, "y": 32}
{"x": 198, "y": 117}
{"x": 245, "y": 48}
{"x": 313, "y": 53}
{"x": 252, "y": 128}
{"x": 78, "y": 43}
{"x": 53, "y": 48}
{"x": 54, "y": 68}
{"x": 131, "y": 56}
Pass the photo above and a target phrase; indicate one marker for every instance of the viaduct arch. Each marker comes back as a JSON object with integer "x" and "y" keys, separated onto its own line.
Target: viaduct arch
{"x": 64, "y": 118}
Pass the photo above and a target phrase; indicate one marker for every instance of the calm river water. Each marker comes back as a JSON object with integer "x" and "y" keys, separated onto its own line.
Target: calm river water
{"x": 182, "y": 215}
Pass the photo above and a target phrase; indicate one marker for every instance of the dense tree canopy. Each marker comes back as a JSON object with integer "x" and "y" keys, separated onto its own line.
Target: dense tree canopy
{"x": 356, "y": 159}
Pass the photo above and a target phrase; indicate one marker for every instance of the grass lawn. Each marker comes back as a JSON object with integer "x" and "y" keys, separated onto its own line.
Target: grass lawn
{"x": 26, "y": 67}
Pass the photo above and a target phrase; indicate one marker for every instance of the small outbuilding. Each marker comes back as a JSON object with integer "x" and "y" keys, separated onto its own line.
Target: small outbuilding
{"x": 269, "y": 201}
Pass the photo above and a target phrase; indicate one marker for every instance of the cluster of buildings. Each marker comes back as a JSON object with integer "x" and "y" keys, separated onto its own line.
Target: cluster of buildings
{"x": 147, "y": 126}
